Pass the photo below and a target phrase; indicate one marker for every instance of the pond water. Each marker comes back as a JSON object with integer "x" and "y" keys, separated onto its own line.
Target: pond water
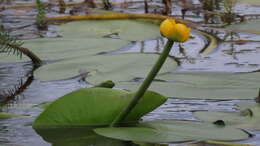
{"x": 23, "y": 92}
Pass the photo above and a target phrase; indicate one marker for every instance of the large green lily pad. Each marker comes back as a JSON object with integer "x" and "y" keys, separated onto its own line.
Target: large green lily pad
{"x": 172, "y": 131}
{"x": 215, "y": 79}
{"x": 120, "y": 67}
{"x": 204, "y": 85}
{"x": 249, "y": 26}
{"x": 248, "y": 118}
{"x": 126, "y": 29}
{"x": 85, "y": 38}
{"x": 181, "y": 90}
{"x": 94, "y": 107}
{"x": 182, "y": 85}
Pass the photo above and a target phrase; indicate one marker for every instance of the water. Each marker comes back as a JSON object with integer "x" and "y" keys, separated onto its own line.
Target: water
{"x": 226, "y": 57}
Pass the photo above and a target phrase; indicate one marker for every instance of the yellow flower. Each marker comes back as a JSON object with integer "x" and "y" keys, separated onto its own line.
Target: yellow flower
{"x": 174, "y": 31}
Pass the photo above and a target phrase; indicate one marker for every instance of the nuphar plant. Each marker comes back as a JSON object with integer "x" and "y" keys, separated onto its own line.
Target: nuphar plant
{"x": 103, "y": 106}
{"x": 174, "y": 33}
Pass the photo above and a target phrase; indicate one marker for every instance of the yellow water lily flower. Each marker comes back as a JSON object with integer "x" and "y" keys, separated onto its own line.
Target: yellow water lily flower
{"x": 174, "y": 31}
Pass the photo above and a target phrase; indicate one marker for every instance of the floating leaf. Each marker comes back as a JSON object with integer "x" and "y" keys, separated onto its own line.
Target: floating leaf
{"x": 94, "y": 107}
{"x": 81, "y": 43}
{"x": 215, "y": 79}
{"x": 251, "y": 2}
{"x": 43, "y": 105}
{"x": 85, "y": 38}
{"x": 217, "y": 143}
{"x": 8, "y": 115}
{"x": 172, "y": 131}
{"x": 182, "y": 90}
{"x": 119, "y": 67}
{"x": 249, "y": 26}
{"x": 106, "y": 84}
{"x": 125, "y": 29}
{"x": 204, "y": 85}
{"x": 243, "y": 119}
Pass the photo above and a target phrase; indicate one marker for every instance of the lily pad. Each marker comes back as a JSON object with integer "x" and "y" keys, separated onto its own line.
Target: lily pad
{"x": 216, "y": 143}
{"x": 203, "y": 85}
{"x": 125, "y": 29}
{"x": 241, "y": 119}
{"x": 251, "y": 2}
{"x": 181, "y": 90}
{"x": 94, "y": 107}
{"x": 249, "y": 26}
{"x": 215, "y": 85}
{"x": 8, "y": 115}
{"x": 120, "y": 67}
{"x": 172, "y": 131}
{"x": 85, "y": 38}
{"x": 215, "y": 79}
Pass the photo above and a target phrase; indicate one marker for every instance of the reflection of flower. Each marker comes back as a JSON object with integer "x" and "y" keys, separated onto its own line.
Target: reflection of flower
{"x": 174, "y": 31}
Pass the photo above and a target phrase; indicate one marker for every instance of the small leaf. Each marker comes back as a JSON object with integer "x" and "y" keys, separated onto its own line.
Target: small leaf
{"x": 106, "y": 84}
{"x": 43, "y": 105}
{"x": 8, "y": 115}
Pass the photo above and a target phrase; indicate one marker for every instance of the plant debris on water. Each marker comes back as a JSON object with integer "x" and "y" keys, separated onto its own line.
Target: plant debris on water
{"x": 60, "y": 59}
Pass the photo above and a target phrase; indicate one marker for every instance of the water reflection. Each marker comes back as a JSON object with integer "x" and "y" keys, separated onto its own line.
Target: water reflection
{"x": 77, "y": 137}
{"x": 14, "y": 77}
{"x": 228, "y": 56}
{"x": 18, "y": 131}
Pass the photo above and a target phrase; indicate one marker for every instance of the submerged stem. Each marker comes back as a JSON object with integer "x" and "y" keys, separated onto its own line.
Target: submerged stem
{"x": 145, "y": 85}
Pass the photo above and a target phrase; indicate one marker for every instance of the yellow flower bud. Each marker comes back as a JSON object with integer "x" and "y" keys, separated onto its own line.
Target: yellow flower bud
{"x": 176, "y": 32}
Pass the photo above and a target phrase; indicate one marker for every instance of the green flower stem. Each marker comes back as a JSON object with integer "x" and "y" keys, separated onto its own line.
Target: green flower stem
{"x": 145, "y": 85}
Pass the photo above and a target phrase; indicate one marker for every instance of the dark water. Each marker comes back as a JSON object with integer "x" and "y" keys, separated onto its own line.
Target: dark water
{"x": 226, "y": 57}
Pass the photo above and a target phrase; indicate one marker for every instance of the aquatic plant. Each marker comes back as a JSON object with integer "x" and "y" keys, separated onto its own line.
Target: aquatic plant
{"x": 10, "y": 45}
{"x": 40, "y": 18}
{"x": 167, "y": 7}
{"x": 229, "y": 16}
{"x": 62, "y": 6}
{"x": 174, "y": 33}
{"x": 122, "y": 110}
{"x": 90, "y": 3}
{"x": 107, "y": 4}
{"x": 180, "y": 33}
